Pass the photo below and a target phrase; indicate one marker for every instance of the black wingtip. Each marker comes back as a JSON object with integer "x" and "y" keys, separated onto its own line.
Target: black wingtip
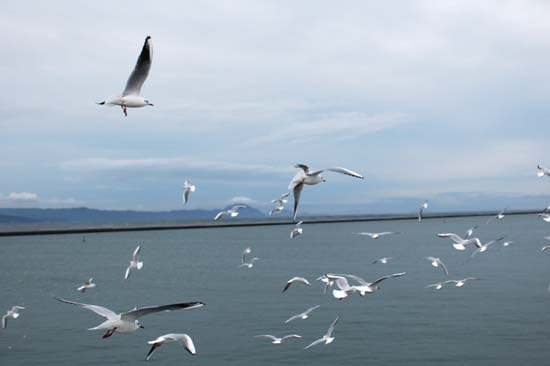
{"x": 101, "y": 103}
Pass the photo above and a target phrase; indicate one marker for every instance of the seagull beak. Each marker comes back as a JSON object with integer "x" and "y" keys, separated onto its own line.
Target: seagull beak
{"x": 141, "y": 326}
{"x": 151, "y": 104}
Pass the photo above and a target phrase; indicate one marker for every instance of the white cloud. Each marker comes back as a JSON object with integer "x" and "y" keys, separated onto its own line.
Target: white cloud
{"x": 23, "y": 196}
{"x": 241, "y": 199}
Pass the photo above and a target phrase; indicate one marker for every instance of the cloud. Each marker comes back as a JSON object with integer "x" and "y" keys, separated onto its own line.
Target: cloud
{"x": 241, "y": 199}
{"x": 23, "y": 196}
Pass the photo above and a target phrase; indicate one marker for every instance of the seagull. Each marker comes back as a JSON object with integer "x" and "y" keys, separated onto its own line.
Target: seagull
{"x": 294, "y": 280}
{"x": 545, "y": 217}
{"x": 327, "y": 281}
{"x": 542, "y": 171}
{"x": 384, "y": 260}
{"x": 276, "y": 209}
{"x": 187, "y": 189}
{"x": 281, "y": 200}
{"x": 376, "y": 235}
{"x": 12, "y": 313}
{"x": 249, "y": 264}
{"x": 327, "y": 338}
{"x": 483, "y": 247}
{"x": 128, "y": 321}
{"x": 305, "y": 177}
{"x": 459, "y": 242}
{"x": 436, "y": 262}
{"x": 134, "y": 263}
{"x": 232, "y": 212}
{"x": 499, "y": 216}
{"x": 182, "y": 339}
{"x": 460, "y": 283}
{"x": 303, "y": 315}
{"x": 546, "y": 247}
{"x": 470, "y": 232}
{"x": 344, "y": 288}
{"x": 363, "y": 288}
{"x": 86, "y": 285}
{"x": 297, "y": 230}
{"x": 276, "y": 340}
{"x": 130, "y": 97}
{"x": 366, "y": 287}
{"x": 421, "y": 210}
{"x": 507, "y": 243}
{"x": 437, "y": 286}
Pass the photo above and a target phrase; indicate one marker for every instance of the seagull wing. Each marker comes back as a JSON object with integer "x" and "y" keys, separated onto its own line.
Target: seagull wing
{"x": 186, "y": 195}
{"x": 220, "y": 214}
{"x": 153, "y": 348}
{"x": 138, "y": 313}
{"x": 386, "y": 277}
{"x": 304, "y": 167}
{"x": 4, "y": 321}
{"x": 291, "y": 336}
{"x": 100, "y": 310}
{"x": 293, "y": 317}
{"x": 136, "y": 253}
{"x": 312, "y": 308}
{"x": 444, "y": 267}
{"x": 141, "y": 70}
{"x": 266, "y": 336}
{"x": 454, "y": 237}
{"x": 314, "y": 343}
{"x": 339, "y": 170}
{"x": 187, "y": 343}
{"x": 331, "y": 328}
{"x": 127, "y": 273}
{"x": 297, "y": 193}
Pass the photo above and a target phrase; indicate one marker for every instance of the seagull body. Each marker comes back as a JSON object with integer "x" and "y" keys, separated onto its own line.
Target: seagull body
{"x": 281, "y": 200}
{"x": 296, "y": 280}
{"x": 436, "y": 262}
{"x": 376, "y": 235}
{"x": 542, "y": 171}
{"x": 437, "y": 286}
{"x": 130, "y": 97}
{"x": 87, "y": 285}
{"x": 182, "y": 339}
{"x": 470, "y": 232}
{"x": 305, "y": 177}
{"x": 244, "y": 262}
{"x": 545, "y": 217}
{"x": 298, "y": 230}
{"x": 460, "y": 283}
{"x": 232, "y": 212}
{"x": 384, "y": 260}
{"x": 275, "y": 210}
{"x": 303, "y": 315}
{"x": 277, "y": 340}
{"x": 459, "y": 242}
{"x": 421, "y": 210}
{"x": 134, "y": 263}
{"x": 127, "y": 322}
{"x": 507, "y": 243}
{"x": 327, "y": 338}
{"x": 187, "y": 189}
{"x": 12, "y": 313}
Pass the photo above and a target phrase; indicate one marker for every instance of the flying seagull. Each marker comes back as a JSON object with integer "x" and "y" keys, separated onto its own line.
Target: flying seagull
{"x": 298, "y": 230}
{"x": 296, "y": 280}
{"x": 483, "y": 247}
{"x": 327, "y": 338}
{"x": 87, "y": 285}
{"x": 542, "y": 171}
{"x": 244, "y": 262}
{"x": 134, "y": 263}
{"x": 499, "y": 216}
{"x": 459, "y": 242}
{"x": 303, "y": 315}
{"x": 275, "y": 210}
{"x": 376, "y": 235}
{"x": 460, "y": 283}
{"x": 232, "y": 212}
{"x": 12, "y": 313}
{"x": 421, "y": 210}
{"x": 187, "y": 189}
{"x": 545, "y": 217}
{"x": 365, "y": 287}
{"x": 281, "y": 200}
{"x": 182, "y": 339}
{"x": 130, "y": 97}
{"x": 436, "y": 262}
{"x": 127, "y": 322}
{"x": 384, "y": 260}
{"x": 304, "y": 176}
{"x": 277, "y": 340}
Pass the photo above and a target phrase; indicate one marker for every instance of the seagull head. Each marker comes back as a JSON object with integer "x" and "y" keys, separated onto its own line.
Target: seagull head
{"x": 139, "y": 325}
{"x": 147, "y": 102}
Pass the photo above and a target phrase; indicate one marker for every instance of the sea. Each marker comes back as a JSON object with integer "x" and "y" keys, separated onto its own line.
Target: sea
{"x": 501, "y": 319}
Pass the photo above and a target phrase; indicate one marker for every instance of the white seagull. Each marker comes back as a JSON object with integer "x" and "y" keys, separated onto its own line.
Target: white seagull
{"x": 460, "y": 283}
{"x": 182, "y": 339}
{"x": 384, "y": 260}
{"x": 298, "y": 230}
{"x": 134, "y": 263}
{"x": 437, "y": 286}
{"x": 507, "y": 243}
{"x": 12, "y": 313}
{"x": 232, "y": 212}
{"x": 303, "y": 315}
{"x": 130, "y": 97}
{"x": 281, "y": 200}
{"x": 542, "y": 171}
{"x": 277, "y": 340}
{"x": 545, "y": 217}
{"x": 470, "y": 232}
{"x": 275, "y": 210}
{"x": 436, "y": 262}
{"x": 483, "y": 247}
{"x": 304, "y": 176}
{"x": 87, "y": 285}
{"x": 459, "y": 242}
{"x": 327, "y": 338}
{"x": 296, "y": 280}
{"x": 421, "y": 210}
{"x": 244, "y": 262}
{"x": 187, "y": 189}
{"x": 499, "y": 216}
{"x": 376, "y": 235}
{"x": 366, "y": 287}
{"x": 127, "y": 322}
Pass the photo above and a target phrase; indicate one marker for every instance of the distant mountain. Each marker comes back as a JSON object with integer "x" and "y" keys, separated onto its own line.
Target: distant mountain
{"x": 83, "y": 214}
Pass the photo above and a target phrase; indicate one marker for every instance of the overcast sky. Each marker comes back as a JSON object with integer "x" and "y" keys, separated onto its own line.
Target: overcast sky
{"x": 422, "y": 97}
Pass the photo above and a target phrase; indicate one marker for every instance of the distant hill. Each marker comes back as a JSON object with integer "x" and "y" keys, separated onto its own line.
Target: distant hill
{"x": 83, "y": 214}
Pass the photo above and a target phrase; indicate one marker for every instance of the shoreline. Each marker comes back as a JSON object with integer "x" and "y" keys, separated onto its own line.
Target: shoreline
{"x": 87, "y": 228}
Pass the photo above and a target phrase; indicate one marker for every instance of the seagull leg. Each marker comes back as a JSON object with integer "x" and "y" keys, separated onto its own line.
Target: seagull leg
{"x": 124, "y": 110}
{"x": 109, "y": 333}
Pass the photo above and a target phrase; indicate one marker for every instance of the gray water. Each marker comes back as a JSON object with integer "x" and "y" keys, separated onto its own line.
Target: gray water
{"x": 502, "y": 319}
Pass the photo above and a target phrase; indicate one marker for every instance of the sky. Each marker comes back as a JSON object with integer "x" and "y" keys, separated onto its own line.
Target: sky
{"x": 439, "y": 100}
